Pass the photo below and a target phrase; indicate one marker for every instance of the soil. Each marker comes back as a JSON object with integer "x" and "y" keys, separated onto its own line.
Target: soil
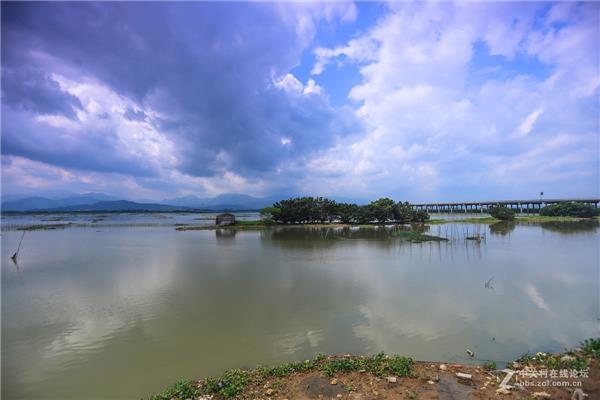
{"x": 431, "y": 381}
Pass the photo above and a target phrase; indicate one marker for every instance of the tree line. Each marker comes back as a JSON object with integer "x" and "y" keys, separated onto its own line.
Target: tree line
{"x": 310, "y": 210}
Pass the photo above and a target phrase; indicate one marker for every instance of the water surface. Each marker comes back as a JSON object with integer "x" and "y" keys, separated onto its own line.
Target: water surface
{"x": 122, "y": 312}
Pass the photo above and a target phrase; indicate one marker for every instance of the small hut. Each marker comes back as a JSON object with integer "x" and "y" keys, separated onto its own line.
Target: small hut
{"x": 225, "y": 219}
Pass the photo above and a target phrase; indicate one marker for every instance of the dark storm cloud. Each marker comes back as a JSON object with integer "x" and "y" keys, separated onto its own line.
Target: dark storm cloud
{"x": 207, "y": 69}
{"x": 97, "y": 150}
{"x": 34, "y": 90}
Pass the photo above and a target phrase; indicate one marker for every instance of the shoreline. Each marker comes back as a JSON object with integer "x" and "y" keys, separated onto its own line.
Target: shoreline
{"x": 260, "y": 225}
{"x": 395, "y": 377}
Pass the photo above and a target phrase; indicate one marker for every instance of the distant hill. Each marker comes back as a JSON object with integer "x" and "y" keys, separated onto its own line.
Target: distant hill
{"x": 103, "y": 202}
{"x": 121, "y": 205}
{"x": 42, "y": 203}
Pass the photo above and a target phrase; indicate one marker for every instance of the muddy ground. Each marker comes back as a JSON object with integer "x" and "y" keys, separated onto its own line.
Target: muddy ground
{"x": 430, "y": 381}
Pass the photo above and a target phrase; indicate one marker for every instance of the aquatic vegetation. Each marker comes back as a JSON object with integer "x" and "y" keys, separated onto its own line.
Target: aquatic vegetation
{"x": 417, "y": 236}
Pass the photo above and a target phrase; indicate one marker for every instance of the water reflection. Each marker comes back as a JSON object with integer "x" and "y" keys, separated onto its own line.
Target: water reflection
{"x": 94, "y": 309}
{"x": 502, "y": 228}
{"x": 572, "y": 227}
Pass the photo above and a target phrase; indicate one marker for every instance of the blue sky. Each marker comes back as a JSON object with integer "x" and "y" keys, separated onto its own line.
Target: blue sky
{"x": 416, "y": 101}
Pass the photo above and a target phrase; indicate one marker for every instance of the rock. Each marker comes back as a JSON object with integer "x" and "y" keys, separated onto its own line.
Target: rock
{"x": 314, "y": 386}
{"x": 392, "y": 379}
{"x": 270, "y": 392}
{"x": 567, "y": 358}
{"x": 466, "y": 377}
{"x": 431, "y": 382}
{"x": 470, "y": 353}
{"x": 333, "y": 381}
{"x": 542, "y": 395}
{"x": 443, "y": 367}
{"x": 578, "y": 395}
{"x": 502, "y": 391}
{"x": 362, "y": 371}
{"x": 339, "y": 396}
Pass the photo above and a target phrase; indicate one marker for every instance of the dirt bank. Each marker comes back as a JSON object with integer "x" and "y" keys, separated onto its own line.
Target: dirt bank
{"x": 571, "y": 375}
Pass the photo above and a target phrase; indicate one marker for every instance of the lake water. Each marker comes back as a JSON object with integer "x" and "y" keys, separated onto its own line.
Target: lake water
{"x": 122, "y": 312}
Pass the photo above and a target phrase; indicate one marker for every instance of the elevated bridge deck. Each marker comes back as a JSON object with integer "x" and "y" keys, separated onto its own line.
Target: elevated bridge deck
{"x": 521, "y": 206}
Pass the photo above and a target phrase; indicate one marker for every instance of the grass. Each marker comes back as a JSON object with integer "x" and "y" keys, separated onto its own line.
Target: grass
{"x": 233, "y": 382}
{"x": 542, "y": 218}
{"x": 482, "y": 220}
{"x": 576, "y": 359}
{"x": 591, "y": 348}
{"x": 490, "y": 365}
{"x": 491, "y": 220}
{"x": 182, "y": 389}
{"x": 418, "y": 236}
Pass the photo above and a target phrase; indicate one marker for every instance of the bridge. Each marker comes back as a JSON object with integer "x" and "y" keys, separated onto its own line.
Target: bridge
{"x": 520, "y": 206}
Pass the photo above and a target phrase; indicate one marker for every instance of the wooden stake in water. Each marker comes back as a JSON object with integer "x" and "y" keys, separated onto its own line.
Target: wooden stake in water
{"x": 14, "y": 256}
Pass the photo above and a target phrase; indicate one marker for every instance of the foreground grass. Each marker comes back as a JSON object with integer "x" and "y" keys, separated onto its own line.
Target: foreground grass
{"x": 233, "y": 382}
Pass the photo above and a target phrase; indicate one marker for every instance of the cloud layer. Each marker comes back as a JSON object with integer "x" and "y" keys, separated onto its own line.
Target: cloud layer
{"x": 155, "y": 100}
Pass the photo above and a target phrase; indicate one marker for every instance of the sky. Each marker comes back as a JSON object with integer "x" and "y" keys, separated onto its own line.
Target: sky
{"x": 415, "y": 101}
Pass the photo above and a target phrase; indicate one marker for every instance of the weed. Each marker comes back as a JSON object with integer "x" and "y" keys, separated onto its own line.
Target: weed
{"x": 490, "y": 365}
{"x": 182, "y": 389}
{"x": 230, "y": 384}
{"x": 554, "y": 361}
{"x": 417, "y": 237}
{"x": 378, "y": 365}
{"x": 349, "y": 387}
{"x": 591, "y": 347}
{"x": 412, "y": 395}
{"x": 400, "y": 366}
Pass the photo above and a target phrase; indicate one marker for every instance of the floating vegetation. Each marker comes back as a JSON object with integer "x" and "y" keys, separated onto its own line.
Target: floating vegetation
{"x": 417, "y": 236}
{"x": 39, "y": 227}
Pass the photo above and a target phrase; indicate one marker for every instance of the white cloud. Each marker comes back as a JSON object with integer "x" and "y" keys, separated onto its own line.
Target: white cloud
{"x": 527, "y": 124}
{"x": 420, "y": 90}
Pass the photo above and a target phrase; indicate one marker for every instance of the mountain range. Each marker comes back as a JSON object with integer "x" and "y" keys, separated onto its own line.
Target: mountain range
{"x": 104, "y": 202}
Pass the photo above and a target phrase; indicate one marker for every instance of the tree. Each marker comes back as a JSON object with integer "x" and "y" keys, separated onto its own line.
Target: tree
{"x": 502, "y": 212}
{"x": 270, "y": 214}
{"x": 346, "y": 212}
{"x": 570, "y": 209}
{"x": 382, "y": 209}
{"x": 363, "y": 214}
{"x": 403, "y": 212}
{"x": 420, "y": 216}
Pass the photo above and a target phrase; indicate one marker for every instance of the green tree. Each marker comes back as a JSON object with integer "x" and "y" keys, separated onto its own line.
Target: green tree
{"x": 570, "y": 209}
{"x": 270, "y": 213}
{"x": 501, "y": 212}
{"x": 382, "y": 209}
{"x": 346, "y": 212}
